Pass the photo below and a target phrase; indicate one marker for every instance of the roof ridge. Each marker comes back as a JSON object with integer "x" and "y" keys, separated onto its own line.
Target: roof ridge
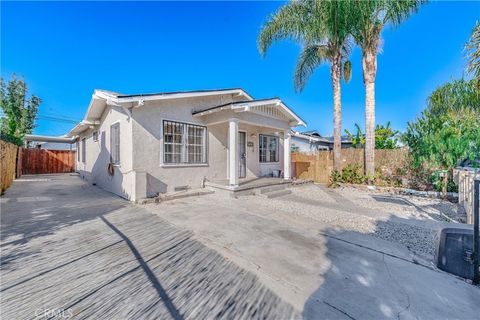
{"x": 178, "y": 92}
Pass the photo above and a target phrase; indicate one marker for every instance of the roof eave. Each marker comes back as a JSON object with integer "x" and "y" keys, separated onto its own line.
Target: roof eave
{"x": 297, "y": 121}
{"x": 180, "y": 95}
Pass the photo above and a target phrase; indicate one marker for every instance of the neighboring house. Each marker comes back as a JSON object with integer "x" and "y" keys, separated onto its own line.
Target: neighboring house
{"x": 312, "y": 141}
{"x": 55, "y": 146}
{"x": 140, "y": 145}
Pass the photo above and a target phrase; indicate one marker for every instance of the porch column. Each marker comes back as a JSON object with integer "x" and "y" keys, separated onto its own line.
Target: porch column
{"x": 286, "y": 155}
{"x": 233, "y": 151}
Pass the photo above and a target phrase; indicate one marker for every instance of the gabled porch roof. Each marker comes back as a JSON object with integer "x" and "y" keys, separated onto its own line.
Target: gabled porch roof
{"x": 273, "y": 107}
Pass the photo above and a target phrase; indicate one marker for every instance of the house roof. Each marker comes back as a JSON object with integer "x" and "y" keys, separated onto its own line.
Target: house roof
{"x": 314, "y": 135}
{"x": 119, "y": 95}
{"x": 247, "y": 103}
{"x": 102, "y": 98}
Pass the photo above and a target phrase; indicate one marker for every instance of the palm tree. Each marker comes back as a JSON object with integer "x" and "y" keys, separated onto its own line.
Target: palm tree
{"x": 323, "y": 29}
{"x": 370, "y": 17}
{"x": 473, "y": 51}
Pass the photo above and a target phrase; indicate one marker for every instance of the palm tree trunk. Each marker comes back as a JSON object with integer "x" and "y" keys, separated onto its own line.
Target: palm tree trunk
{"x": 337, "y": 113}
{"x": 369, "y": 62}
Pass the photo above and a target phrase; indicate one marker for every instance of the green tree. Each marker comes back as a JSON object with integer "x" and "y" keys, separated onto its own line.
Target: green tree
{"x": 385, "y": 137}
{"x": 473, "y": 51}
{"x": 357, "y": 139}
{"x": 323, "y": 29}
{"x": 19, "y": 110}
{"x": 448, "y": 130}
{"x": 369, "y": 18}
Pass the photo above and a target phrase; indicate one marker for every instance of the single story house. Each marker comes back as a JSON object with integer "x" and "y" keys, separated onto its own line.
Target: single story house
{"x": 142, "y": 145}
{"x": 312, "y": 141}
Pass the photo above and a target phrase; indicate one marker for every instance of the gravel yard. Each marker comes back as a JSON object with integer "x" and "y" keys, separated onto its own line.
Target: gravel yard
{"x": 407, "y": 220}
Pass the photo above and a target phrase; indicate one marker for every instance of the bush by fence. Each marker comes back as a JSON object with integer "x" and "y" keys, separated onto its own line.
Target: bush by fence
{"x": 319, "y": 166}
{"x": 8, "y": 155}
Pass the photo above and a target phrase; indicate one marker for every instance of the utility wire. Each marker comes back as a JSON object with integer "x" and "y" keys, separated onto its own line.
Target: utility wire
{"x": 52, "y": 118}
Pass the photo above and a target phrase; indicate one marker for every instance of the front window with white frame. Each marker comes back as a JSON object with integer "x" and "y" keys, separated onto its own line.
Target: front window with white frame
{"x": 268, "y": 148}
{"x": 184, "y": 143}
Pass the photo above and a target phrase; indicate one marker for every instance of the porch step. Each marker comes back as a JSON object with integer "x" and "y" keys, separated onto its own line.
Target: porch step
{"x": 273, "y": 188}
{"x": 185, "y": 194}
{"x": 301, "y": 182}
{"x": 177, "y": 195}
{"x": 276, "y": 194}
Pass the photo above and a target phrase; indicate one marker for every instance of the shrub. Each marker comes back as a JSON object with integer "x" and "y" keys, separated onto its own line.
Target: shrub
{"x": 335, "y": 178}
{"x": 352, "y": 173}
{"x": 447, "y": 131}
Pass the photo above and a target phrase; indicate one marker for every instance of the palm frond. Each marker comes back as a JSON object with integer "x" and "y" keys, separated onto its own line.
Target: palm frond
{"x": 289, "y": 22}
{"x": 398, "y": 11}
{"x": 370, "y": 17}
{"x": 310, "y": 58}
{"x": 473, "y": 51}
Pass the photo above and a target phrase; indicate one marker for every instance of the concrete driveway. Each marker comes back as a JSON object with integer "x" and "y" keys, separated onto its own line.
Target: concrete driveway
{"x": 321, "y": 262}
{"x": 73, "y": 250}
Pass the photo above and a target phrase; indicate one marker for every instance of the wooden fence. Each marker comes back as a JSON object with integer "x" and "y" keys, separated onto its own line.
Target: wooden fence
{"x": 8, "y": 155}
{"x": 37, "y": 161}
{"x": 319, "y": 166}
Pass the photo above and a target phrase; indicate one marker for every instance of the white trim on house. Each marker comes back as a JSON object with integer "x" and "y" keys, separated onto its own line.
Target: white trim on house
{"x": 180, "y": 95}
{"x": 255, "y": 106}
{"x": 266, "y": 148}
{"x": 161, "y": 149}
{"x": 101, "y": 99}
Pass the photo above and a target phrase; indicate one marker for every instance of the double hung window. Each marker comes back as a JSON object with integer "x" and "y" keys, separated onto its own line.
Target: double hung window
{"x": 184, "y": 143}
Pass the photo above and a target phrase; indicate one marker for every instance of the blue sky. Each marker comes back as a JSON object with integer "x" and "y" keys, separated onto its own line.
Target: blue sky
{"x": 66, "y": 50}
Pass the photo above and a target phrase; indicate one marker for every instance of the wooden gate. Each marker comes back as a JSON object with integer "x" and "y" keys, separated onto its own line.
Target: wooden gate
{"x": 37, "y": 161}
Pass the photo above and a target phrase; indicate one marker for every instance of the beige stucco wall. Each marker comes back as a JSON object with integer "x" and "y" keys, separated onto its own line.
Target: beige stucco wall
{"x": 141, "y": 171}
{"x": 94, "y": 170}
{"x": 148, "y": 155}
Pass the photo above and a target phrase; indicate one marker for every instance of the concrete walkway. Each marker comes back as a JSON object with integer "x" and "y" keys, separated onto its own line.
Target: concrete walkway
{"x": 73, "y": 250}
{"x": 319, "y": 268}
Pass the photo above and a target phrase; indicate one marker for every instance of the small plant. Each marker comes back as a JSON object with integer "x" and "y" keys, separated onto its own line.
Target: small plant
{"x": 437, "y": 179}
{"x": 335, "y": 179}
{"x": 352, "y": 173}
